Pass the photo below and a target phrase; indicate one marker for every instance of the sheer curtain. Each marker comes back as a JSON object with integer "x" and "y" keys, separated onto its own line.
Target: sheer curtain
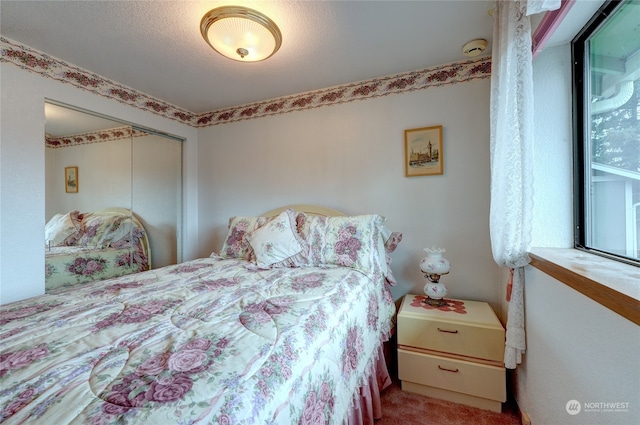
{"x": 512, "y": 155}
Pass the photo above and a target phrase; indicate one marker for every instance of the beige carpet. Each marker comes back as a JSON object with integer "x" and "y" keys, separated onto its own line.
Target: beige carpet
{"x": 404, "y": 408}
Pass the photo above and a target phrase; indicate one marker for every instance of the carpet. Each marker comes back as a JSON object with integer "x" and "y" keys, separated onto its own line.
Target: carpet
{"x": 405, "y": 408}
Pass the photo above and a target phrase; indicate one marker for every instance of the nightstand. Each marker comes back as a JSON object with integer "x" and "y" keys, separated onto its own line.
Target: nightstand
{"x": 454, "y": 352}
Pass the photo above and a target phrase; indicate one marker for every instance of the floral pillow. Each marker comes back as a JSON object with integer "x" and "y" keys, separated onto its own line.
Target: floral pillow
{"x": 351, "y": 241}
{"x": 63, "y": 229}
{"x": 235, "y": 245}
{"x": 277, "y": 243}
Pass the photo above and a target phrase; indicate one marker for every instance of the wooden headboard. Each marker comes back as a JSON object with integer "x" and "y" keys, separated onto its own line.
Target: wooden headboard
{"x": 307, "y": 209}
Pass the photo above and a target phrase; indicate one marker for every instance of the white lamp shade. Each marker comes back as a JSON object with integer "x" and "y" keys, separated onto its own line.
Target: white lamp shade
{"x": 240, "y": 34}
{"x": 434, "y": 263}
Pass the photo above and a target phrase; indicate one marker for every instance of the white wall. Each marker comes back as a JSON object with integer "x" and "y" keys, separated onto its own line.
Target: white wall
{"x": 21, "y": 186}
{"x": 22, "y": 161}
{"x": 553, "y": 173}
{"x": 350, "y": 157}
{"x": 576, "y": 348}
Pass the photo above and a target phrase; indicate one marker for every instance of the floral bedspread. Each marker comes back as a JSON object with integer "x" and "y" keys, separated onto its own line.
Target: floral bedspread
{"x": 69, "y": 265}
{"x": 207, "y": 341}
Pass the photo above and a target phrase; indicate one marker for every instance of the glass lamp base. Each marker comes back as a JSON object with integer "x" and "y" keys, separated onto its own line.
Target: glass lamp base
{"x": 435, "y": 290}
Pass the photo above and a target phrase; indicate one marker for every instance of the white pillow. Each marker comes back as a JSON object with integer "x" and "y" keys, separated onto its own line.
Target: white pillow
{"x": 59, "y": 228}
{"x": 276, "y": 241}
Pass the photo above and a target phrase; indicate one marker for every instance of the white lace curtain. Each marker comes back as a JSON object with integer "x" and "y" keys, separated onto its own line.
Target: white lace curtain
{"x": 512, "y": 154}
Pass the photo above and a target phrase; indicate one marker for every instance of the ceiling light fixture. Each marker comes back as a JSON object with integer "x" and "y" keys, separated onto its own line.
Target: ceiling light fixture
{"x": 240, "y": 33}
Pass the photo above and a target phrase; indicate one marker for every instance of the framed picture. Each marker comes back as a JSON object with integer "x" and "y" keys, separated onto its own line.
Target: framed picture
{"x": 423, "y": 155}
{"x": 71, "y": 179}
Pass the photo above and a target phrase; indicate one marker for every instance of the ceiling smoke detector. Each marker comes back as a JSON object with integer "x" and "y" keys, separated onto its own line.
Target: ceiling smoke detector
{"x": 474, "y": 47}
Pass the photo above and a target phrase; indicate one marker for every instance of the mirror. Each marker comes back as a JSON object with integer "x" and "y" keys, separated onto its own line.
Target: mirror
{"x": 124, "y": 180}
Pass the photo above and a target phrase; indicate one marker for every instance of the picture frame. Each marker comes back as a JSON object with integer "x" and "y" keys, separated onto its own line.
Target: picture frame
{"x": 71, "y": 181}
{"x": 423, "y": 154}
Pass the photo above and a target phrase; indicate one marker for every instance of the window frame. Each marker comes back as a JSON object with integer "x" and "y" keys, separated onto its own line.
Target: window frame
{"x": 581, "y": 130}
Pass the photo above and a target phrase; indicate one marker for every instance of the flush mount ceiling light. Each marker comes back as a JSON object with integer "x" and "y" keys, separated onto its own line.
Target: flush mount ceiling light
{"x": 474, "y": 47}
{"x": 240, "y": 33}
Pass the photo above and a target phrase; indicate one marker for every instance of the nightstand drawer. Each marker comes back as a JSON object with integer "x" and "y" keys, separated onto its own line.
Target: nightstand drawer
{"x": 462, "y": 329}
{"x": 454, "y": 375}
{"x": 472, "y": 341}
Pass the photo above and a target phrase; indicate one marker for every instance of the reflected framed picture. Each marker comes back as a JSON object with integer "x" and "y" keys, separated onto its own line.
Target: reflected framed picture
{"x": 71, "y": 179}
{"x": 423, "y": 155}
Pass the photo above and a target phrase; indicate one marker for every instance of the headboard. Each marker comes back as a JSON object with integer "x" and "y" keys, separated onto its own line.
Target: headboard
{"x": 307, "y": 209}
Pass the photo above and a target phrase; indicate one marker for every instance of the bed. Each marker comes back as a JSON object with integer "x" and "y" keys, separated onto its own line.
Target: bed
{"x": 284, "y": 325}
{"x": 83, "y": 247}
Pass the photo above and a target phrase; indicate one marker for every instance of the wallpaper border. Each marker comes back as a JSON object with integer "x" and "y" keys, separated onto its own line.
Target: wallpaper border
{"x": 40, "y": 63}
{"x": 117, "y": 133}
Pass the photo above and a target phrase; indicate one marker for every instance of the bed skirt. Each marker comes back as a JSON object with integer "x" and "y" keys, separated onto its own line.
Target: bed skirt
{"x": 367, "y": 407}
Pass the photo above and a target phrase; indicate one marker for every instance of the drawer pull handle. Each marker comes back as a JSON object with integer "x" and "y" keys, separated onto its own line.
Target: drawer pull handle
{"x": 448, "y": 370}
{"x": 449, "y": 332}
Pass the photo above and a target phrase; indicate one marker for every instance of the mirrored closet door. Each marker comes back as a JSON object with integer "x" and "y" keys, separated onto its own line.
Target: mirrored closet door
{"x": 124, "y": 181}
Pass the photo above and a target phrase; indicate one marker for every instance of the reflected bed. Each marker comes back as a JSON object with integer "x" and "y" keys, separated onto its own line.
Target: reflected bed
{"x": 83, "y": 247}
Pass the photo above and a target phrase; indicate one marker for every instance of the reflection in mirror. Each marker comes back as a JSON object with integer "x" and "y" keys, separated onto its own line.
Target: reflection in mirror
{"x": 113, "y": 197}
{"x": 157, "y": 193}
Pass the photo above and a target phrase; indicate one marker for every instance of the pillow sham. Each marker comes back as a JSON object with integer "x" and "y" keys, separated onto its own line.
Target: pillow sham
{"x": 120, "y": 230}
{"x": 390, "y": 245}
{"x": 392, "y": 241}
{"x": 277, "y": 241}
{"x": 63, "y": 229}
{"x": 351, "y": 241}
{"x": 235, "y": 245}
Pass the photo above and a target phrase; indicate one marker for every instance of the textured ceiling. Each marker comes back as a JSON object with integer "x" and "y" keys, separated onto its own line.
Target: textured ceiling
{"x": 156, "y": 47}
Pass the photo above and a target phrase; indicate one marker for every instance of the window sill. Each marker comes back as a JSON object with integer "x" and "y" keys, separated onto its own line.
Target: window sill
{"x": 613, "y": 284}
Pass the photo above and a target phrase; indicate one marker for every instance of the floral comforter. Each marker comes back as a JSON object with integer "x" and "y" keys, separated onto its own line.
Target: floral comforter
{"x": 69, "y": 265}
{"x": 207, "y": 341}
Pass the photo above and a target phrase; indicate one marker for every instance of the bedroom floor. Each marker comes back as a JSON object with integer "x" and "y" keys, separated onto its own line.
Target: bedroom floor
{"x": 404, "y": 408}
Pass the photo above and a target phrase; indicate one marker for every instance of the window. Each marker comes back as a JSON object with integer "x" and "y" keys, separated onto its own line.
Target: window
{"x": 606, "y": 76}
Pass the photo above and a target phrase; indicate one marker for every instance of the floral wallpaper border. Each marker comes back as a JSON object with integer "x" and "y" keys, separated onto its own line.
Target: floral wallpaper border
{"x": 108, "y": 135}
{"x": 47, "y": 66}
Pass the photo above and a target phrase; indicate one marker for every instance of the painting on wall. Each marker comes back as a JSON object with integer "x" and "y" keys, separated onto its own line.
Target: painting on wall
{"x": 71, "y": 179}
{"x": 423, "y": 155}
